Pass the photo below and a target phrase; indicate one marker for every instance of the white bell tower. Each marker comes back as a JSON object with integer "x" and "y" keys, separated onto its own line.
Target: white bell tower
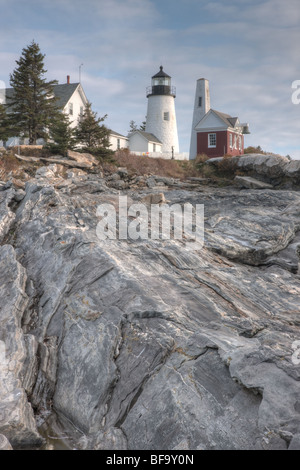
{"x": 161, "y": 116}
{"x": 201, "y": 107}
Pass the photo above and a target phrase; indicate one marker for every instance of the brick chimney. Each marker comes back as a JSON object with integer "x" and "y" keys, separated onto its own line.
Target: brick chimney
{"x": 68, "y": 79}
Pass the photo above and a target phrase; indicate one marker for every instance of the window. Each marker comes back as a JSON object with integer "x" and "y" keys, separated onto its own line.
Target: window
{"x": 71, "y": 109}
{"x": 167, "y": 116}
{"x": 200, "y": 101}
{"x": 81, "y": 110}
{"x": 212, "y": 140}
{"x": 118, "y": 144}
{"x": 235, "y": 141}
{"x": 154, "y": 147}
{"x": 162, "y": 81}
{"x": 230, "y": 140}
{"x": 240, "y": 142}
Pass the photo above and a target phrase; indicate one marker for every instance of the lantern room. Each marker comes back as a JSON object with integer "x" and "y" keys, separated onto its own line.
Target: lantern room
{"x": 161, "y": 84}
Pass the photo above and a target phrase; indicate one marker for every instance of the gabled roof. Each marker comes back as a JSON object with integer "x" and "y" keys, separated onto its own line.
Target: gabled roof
{"x": 117, "y": 134}
{"x": 228, "y": 120}
{"x": 149, "y": 137}
{"x": 62, "y": 92}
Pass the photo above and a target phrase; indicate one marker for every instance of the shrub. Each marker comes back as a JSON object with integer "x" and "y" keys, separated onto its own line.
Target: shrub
{"x": 227, "y": 167}
{"x": 208, "y": 171}
{"x": 101, "y": 153}
{"x": 31, "y": 150}
{"x": 251, "y": 149}
{"x": 201, "y": 158}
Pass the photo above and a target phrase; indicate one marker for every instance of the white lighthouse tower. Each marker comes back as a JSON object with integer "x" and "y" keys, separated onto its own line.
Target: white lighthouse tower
{"x": 161, "y": 116}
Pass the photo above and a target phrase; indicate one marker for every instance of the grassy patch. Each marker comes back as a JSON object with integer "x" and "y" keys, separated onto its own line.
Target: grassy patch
{"x": 142, "y": 165}
{"x": 220, "y": 174}
{"x": 32, "y": 151}
{"x": 10, "y": 166}
{"x": 227, "y": 167}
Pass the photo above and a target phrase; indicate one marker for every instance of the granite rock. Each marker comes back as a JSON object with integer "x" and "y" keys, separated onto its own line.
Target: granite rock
{"x": 246, "y": 182}
{"x": 149, "y": 344}
{"x": 17, "y": 421}
{"x": 4, "y": 443}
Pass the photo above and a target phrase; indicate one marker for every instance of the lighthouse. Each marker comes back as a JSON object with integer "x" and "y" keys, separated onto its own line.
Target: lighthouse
{"x": 161, "y": 116}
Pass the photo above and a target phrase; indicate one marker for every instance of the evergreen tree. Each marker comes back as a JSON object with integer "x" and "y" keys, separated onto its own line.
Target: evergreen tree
{"x": 143, "y": 126}
{"x": 61, "y": 135}
{"x": 132, "y": 127}
{"x": 90, "y": 133}
{"x": 33, "y": 102}
{"x": 6, "y": 130}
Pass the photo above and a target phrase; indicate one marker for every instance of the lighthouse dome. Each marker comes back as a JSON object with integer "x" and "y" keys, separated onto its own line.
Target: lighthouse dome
{"x": 161, "y": 73}
{"x": 161, "y": 84}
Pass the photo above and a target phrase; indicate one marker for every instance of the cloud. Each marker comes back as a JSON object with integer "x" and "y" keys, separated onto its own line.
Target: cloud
{"x": 248, "y": 49}
{"x": 274, "y": 13}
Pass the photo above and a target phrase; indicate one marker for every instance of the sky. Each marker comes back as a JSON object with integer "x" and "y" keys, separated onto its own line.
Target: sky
{"x": 249, "y": 50}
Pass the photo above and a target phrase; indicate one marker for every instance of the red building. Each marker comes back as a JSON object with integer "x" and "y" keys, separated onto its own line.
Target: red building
{"x": 213, "y": 133}
{"x": 219, "y": 134}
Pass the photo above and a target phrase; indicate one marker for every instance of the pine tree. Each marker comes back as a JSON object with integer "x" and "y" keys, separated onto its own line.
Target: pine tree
{"x": 132, "y": 127}
{"x": 6, "y": 130}
{"x": 33, "y": 102}
{"x": 143, "y": 126}
{"x": 61, "y": 135}
{"x": 90, "y": 133}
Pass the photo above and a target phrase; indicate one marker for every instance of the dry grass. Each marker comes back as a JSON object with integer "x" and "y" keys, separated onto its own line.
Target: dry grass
{"x": 201, "y": 158}
{"x": 227, "y": 167}
{"x": 31, "y": 151}
{"x": 141, "y": 165}
{"x": 251, "y": 149}
{"x": 10, "y": 166}
{"x": 136, "y": 165}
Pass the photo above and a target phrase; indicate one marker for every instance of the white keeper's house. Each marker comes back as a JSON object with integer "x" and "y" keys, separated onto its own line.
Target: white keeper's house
{"x": 117, "y": 141}
{"x": 71, "y": 99}
{"x": 144, "y": 143}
